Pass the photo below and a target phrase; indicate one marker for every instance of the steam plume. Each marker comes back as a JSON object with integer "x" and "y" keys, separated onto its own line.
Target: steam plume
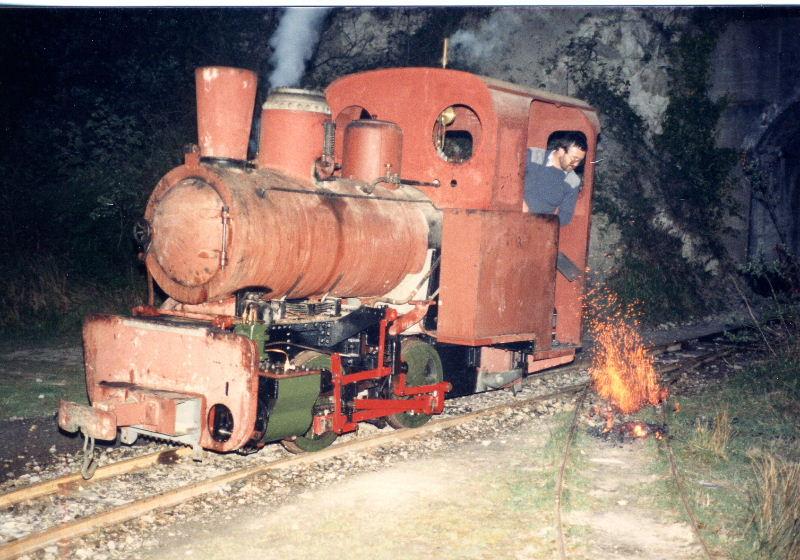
{"x": 293, "y": 43}
{"x": 485, "y": 43}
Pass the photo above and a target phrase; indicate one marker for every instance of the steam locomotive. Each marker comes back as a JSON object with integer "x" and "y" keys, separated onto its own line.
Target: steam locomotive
{"x": 374, "y": 256}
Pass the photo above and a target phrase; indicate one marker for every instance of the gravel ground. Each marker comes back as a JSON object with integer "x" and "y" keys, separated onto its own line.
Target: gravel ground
{"x": 437, "y": 468}
{"x": 36, "y": 442}
{"x": 217, "y": 513}
{"x": 22, "y": 520}
{"x": 173, "y": 533}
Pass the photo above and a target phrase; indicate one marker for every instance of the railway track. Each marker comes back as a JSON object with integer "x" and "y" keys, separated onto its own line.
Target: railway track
{"x": 456, "y": 415}
{"x": 664, "y": 371}
{"x": 119, "y": 514}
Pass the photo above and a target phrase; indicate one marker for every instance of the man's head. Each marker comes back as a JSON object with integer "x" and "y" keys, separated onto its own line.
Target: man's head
{"x": 569, "y": 150}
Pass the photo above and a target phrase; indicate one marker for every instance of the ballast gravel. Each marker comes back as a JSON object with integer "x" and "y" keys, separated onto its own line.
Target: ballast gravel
{"x": 274, "y": 488}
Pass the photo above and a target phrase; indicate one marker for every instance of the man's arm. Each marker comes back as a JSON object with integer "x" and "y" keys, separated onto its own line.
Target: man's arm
{"x": 567, "y": 208}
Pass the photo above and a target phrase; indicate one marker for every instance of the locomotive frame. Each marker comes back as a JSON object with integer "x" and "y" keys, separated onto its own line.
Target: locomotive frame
{"x": 375, "y": 256}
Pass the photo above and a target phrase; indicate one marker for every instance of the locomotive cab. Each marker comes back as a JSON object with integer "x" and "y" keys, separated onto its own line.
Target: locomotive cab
{"x": 374, "y": 255}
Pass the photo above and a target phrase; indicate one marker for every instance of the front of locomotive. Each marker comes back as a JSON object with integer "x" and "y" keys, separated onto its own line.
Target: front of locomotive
{"x": 288, "y": 280}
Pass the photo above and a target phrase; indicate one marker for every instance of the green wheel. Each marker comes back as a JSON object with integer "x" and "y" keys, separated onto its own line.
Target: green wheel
{"x": 424, "y": 368}
{"x": 310, "y": 441}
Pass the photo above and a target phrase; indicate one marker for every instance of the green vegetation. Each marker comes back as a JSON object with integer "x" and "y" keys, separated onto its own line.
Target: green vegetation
{"x": 47, "y": 297}
{"x": 736, "y": 444}
{"x": 574, "y": 494}
{"x": 694, "y": 174}
{"x": 101, "y": 105}
{"x": 34, "y": 380}
{"x": 659, "y": 189}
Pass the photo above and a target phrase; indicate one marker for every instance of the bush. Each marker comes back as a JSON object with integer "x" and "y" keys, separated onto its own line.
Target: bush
{"x": 43, "y": 294}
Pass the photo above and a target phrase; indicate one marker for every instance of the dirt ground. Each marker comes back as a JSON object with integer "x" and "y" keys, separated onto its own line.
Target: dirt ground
{"x": 486, "y": 499}
{"x": 34, "y": 377}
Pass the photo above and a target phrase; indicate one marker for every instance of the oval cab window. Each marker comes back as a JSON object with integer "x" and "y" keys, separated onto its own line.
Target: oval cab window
{"x": 457, "y": 133}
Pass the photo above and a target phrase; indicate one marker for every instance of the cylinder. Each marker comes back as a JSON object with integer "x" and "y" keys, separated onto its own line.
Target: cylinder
{"x": 372, "y": 149}
{"x": 292, "y": 131}
{"x": 218, "y": 230}
{"x": 225, "y": 101}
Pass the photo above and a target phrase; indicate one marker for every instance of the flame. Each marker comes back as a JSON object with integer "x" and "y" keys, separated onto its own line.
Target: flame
{"x": 622, "y": 369}
{"x": 639, "y": 430}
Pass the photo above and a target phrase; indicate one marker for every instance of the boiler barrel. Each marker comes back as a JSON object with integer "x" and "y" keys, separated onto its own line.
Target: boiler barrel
{"x": 216, "y": 231}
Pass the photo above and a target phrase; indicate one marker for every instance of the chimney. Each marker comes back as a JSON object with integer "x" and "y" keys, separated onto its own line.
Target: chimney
{"x": 225, "y": 101}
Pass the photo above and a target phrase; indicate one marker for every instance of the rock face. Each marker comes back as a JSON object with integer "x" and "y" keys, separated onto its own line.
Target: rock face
{"x": 554, "y": 48}
{"x": 756, "y": 68}
{"x": 560, "y": 49}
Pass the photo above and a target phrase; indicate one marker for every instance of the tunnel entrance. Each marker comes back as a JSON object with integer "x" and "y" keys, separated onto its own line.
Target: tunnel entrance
{"x": 774, "y": 170}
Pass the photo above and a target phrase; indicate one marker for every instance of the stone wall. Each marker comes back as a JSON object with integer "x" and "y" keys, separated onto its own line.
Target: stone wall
{"x": 756, "y": 68}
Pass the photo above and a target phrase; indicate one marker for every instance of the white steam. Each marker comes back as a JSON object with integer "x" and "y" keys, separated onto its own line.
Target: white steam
{"x": 486, "y": 43}
{"x": 293, "y": 43}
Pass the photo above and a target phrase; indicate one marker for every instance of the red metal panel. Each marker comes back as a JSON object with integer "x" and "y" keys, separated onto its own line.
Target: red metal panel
{"x": 496, "y": 359}
{"x": 225, "y": 101}
{"x": 279, "y": 234}
{"x": 496, "y": 277}
{"x": 415, "y": 97}
{"x": 573, "y": 241}
{"x": 188, "y": 359}
{"x": 536, "y": 363}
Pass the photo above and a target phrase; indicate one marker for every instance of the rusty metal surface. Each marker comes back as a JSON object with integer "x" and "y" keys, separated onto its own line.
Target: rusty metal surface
{"x": 280, "y": 234}
{"x": 292, "y": 132}
{"x": 536, "y": 363}
{"x": 225, "y": 306}
{"x": 135, "y": 405}
{"x": 225, "y": 101}
{"x": 497, "y": 276}
{"x": 496, "y": 359}
{"x": 372, "y": 149}
{"x": 175, "y": 237}
{"x": 573, "y": 240}
{"x": 511, "y": 119}
{"x": 173, "y": 356}
{"x": 410, "y": 318}
{"x": 92, "y": 422}
{"x": 414, "y": 98}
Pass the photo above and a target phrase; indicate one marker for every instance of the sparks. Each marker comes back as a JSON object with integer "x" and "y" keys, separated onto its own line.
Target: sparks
{"x": 622, "y": 369}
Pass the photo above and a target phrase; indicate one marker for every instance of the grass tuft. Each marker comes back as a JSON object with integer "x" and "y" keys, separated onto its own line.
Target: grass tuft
{"x": 712, "y": 436}
{"x": 775, "y": 501}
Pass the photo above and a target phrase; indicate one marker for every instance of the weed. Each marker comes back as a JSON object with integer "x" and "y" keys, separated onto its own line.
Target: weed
{"x": 775, "y": 501}
{"x": 713, "y": 435}
{"x": 43, "y": 294}
{"x": 745, "y": 500}
{"x": 574, "y": 494}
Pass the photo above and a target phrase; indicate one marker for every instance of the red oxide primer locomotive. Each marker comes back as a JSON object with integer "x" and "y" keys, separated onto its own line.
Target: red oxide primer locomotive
{"x": 375, "y": 255}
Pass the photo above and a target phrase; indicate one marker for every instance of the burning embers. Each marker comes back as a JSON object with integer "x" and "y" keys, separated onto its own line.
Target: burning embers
{"x": 627, "y": 431}
{"x": 623, "y": 373}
